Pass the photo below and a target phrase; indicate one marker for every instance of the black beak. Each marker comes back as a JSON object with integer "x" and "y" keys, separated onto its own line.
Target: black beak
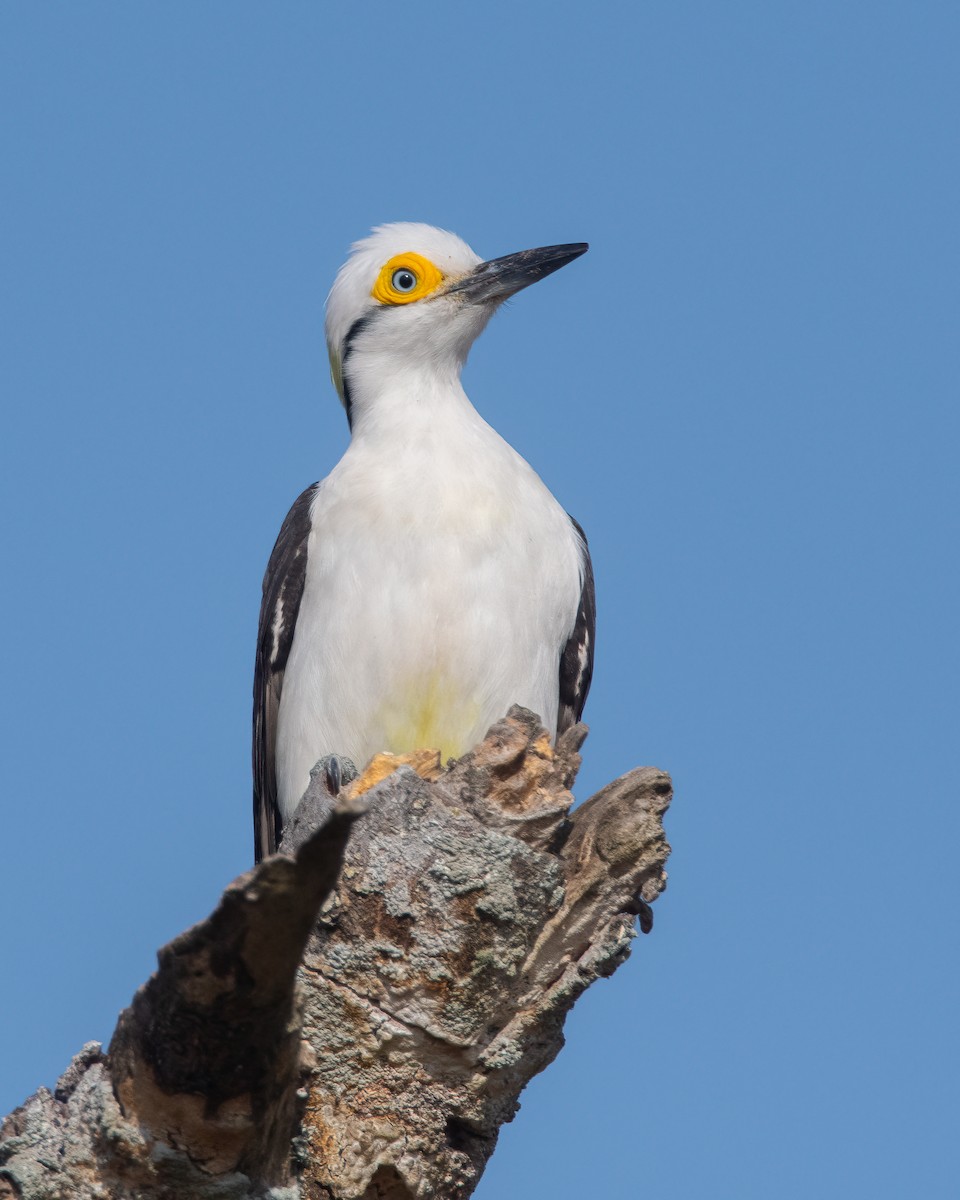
{"x": 503, "y": 277}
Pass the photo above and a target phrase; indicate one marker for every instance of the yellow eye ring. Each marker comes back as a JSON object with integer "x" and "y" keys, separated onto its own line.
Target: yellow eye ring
{"x": 406, "y": 277}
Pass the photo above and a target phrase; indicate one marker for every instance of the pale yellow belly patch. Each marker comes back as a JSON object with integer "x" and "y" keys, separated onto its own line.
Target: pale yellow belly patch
{"x": 434, "y": 713}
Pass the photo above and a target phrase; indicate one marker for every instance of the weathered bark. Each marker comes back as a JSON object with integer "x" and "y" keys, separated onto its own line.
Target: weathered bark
{"x": 359, "y": 1015}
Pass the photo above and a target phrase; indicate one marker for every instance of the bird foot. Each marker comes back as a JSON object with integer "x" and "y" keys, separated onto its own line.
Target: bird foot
{"x": 642, "y": 910}
{"x": 337, "y": 771}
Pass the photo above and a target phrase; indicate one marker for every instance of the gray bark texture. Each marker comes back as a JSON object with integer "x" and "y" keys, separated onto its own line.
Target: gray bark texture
{"x": 358, "y": 1017}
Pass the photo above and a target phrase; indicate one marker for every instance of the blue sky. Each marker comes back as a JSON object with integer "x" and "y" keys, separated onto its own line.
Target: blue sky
{"x": 747, "y": 393}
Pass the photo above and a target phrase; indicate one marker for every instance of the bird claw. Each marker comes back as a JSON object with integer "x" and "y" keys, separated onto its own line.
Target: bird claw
{"x": 642, "y": 911}
{"x": 337, "y": 771}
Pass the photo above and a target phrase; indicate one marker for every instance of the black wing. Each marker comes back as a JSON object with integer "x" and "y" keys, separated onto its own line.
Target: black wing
{"x": 282, "y": 592}
{"x": 576, "y": 661}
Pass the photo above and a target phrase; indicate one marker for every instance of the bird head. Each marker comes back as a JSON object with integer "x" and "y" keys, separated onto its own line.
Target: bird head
{"x": 412, "y": 296}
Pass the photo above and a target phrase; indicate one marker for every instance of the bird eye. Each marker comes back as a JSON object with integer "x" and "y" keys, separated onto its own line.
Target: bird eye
{"x": 404, "y": 280}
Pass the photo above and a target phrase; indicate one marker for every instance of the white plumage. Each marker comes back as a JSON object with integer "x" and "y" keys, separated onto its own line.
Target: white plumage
{"x": 431, "y": 580}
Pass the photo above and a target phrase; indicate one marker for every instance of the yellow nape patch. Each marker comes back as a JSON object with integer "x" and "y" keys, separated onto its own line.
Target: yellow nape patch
{"x": 405, "y": 278}
{"x": 336, "y": 371}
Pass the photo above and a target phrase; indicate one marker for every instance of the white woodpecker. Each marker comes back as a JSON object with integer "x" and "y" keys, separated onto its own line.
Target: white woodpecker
{"x": 431, "y": 580}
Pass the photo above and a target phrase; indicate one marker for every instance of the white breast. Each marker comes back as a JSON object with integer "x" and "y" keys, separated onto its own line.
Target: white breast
{"x": 443, "y": 580}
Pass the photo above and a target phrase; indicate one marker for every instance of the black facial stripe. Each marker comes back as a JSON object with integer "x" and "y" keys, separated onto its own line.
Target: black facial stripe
{"x": 347, "y": 402}
{"x": 359, "y": 325}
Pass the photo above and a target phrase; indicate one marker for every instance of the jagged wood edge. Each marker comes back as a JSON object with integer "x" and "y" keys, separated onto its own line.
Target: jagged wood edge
{"x": 217, "y": 1020}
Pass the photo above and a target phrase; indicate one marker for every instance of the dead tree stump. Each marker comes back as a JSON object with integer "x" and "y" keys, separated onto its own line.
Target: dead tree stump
{"x": 358, "y": 1017}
